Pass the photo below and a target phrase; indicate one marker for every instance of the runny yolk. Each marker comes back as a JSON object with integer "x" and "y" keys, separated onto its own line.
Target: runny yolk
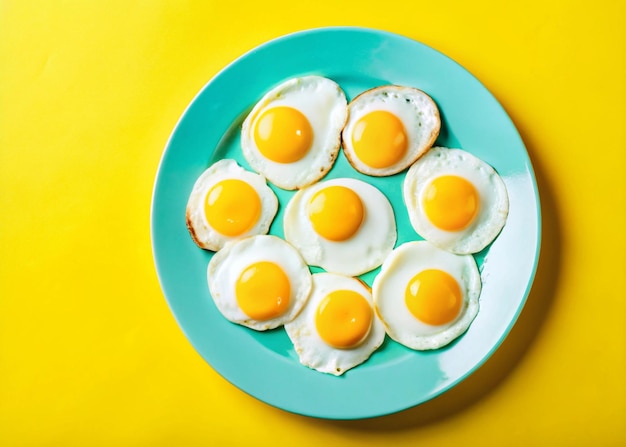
{"x": 263, "y": 290}
{"x": 450, "y": 202}
{"x": 433, "y": 297}
{"x": 232, "y": 207}
{"x": 343, "y": 319}
{"x": 283, "y": 134}
{"x": 379, "y": 139}
{"x": 336, "y": 212}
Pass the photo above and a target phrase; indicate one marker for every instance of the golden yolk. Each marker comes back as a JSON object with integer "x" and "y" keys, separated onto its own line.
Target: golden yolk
{"x": 232, "y": 207}
{"x": 433, "y": 297}
{"x": 379, "y": 139}
{"x": 263, "y": 291}
{"x": 283, "y": 134}
{"x": 451, "y": 202}
{"x": 343, "y": 319}
{"x": 336, "y": 212}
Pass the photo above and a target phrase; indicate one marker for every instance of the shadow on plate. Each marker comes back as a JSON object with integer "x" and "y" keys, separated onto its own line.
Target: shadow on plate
{"x": 503, "y": 362}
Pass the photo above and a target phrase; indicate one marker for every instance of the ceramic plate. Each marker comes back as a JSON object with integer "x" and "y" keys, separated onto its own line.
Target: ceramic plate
{"x": 265, "y": 365}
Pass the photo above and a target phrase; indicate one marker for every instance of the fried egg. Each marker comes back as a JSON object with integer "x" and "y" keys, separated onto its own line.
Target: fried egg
{"x": 388, "y": 128}
{"x": 293, "y": 134}
{"x": 338, "y": 328}
{"x": 228, "y": 203}
{"x": 455, "y": 200}
{"x": 342, "y": 225}
{"x": 425, "y": 296}
{"x": 260, "y": 282}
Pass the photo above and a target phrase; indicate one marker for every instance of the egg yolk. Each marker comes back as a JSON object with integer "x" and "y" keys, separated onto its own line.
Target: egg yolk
{"x": 263, "y": 290}
{"x": 283, "y": 134}
{"x": 343, "y": 319}
{"x": 232, "y": 207}
{"x": 433, "y": 297}
{"x": 379, "y": 139}
{"x": 336, "y": 212}
{"x": 451, "y": 202}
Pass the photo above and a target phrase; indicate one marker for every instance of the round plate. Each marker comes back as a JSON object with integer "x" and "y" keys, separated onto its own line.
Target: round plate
{"x": 264, "y": 364}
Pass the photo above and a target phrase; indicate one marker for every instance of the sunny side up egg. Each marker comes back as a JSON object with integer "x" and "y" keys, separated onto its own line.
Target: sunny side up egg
{"x": 455, "y": 200}
{"x": 260, "y": 282}
{"x": 228, "y": 203}
{"x": 425, "y": 296}
{"x": 293, "y": 134}
{"x": 388, "y": 128}
{"x": 338, "y": 328}
{"x": 342, "y": 225}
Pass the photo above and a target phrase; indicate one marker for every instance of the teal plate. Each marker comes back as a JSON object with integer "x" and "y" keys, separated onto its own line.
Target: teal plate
{"x": 264, "y": 364}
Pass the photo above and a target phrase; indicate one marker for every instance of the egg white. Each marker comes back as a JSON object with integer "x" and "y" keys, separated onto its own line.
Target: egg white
{"x": 494, "y": 200}
{"x": 312, "y": 351}
{"x": 390, "y": 284}
{"x": 417, "y": 111}
{"x": 202, "y": 233}
{"x": 364, "y": 251}
{"x": 324, "y": 104}
{"x": 227, "y": 265}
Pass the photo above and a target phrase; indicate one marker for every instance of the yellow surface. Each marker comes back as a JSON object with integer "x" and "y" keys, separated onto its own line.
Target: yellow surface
{"x": 89, "y": 352}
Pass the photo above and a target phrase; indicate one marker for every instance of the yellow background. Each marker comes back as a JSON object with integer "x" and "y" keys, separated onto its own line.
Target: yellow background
{"x": 90, "y": 354}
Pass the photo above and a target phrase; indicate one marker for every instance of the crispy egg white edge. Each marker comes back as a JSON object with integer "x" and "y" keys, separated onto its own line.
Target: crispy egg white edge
{"x": 203, "y": 234}
{"x": 228, "y": 263}
{"x": 420, "y": 116}
{"x": 494, "y": 206}
{"x": 398, "y": 268}
{"x": 315, "y": 91}
{"x": 312, "y": 351}
{"x": 376, "y": 236}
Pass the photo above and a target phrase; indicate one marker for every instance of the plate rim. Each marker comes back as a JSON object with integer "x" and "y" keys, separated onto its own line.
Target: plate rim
{"x": 387, "y": 35}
